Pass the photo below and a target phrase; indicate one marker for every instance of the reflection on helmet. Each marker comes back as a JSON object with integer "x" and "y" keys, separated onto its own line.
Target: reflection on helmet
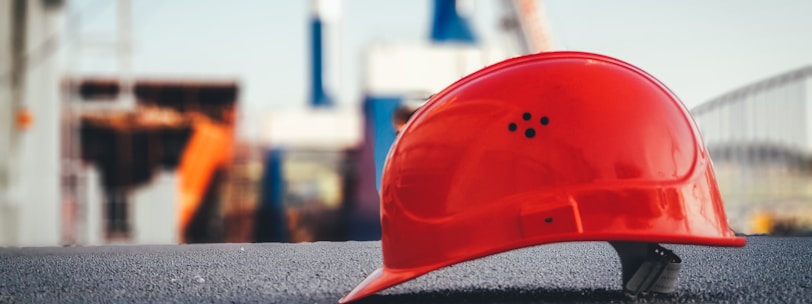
{"x": 551, "y": 147}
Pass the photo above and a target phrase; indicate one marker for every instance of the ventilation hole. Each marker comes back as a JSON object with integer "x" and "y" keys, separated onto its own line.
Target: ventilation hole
{"x": 512, "y": 127}
{"x": 548, "y": 220}
{"x": 530, "y": 133}
{"x": 526, "y": 116}
{"x": 545, "y": 120}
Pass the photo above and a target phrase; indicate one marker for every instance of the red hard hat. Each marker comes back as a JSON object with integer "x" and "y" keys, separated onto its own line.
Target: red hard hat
{"x": 551, "y": 147}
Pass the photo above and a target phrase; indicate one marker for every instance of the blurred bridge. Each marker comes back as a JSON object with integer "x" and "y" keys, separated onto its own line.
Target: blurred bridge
{"x": 759, "y": 139}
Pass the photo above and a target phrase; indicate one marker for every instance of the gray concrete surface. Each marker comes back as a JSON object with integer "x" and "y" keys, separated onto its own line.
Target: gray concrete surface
{"x": 768, "y": 270}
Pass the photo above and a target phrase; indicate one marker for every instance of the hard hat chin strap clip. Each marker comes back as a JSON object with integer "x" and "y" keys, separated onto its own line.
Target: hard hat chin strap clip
{"x": 647, "y": 267}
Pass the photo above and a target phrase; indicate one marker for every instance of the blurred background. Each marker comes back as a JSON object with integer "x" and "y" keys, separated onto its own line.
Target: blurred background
{"x": 187, "y": 121}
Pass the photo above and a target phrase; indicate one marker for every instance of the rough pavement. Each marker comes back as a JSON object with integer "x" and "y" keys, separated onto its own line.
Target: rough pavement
{"x": 768, "y": 270}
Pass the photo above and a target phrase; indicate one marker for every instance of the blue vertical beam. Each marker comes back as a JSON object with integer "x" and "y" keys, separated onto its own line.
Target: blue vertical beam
{"x": 378, "y": 111}
{"x": 379, "y": 133}
{"x": 271, "y": 221}
{"x": 318, "y": 95}
{"x": 448, "y": 25}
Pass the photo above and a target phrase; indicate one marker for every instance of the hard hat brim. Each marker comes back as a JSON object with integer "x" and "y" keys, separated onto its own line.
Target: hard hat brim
{"x": 383, "y": 278}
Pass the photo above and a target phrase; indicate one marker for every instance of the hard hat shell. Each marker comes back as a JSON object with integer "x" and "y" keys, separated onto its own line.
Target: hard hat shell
{"x": 550, "y": 147}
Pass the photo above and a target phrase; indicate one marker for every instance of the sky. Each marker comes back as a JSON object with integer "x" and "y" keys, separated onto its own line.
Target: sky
{"x": 700, "y": 49}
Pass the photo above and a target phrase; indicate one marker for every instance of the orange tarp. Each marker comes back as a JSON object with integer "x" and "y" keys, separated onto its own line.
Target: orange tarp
{"x": 208, "y": 149}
